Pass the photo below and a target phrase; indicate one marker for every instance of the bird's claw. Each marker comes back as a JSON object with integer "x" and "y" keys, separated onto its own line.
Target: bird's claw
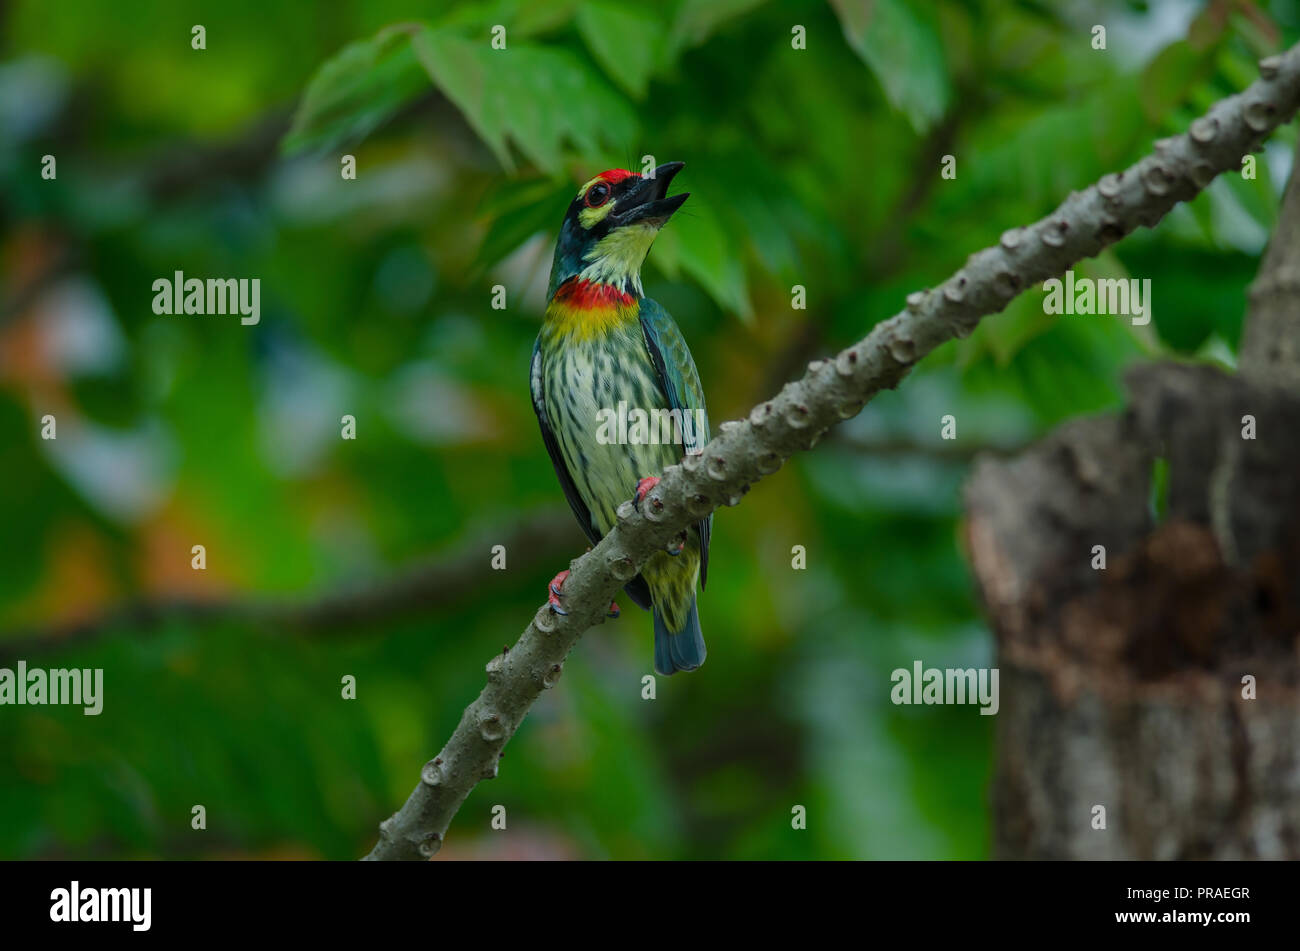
{"x": 678, "y": 545}
{"x": 555, "y": 591}
{"x": 643, "y": 488}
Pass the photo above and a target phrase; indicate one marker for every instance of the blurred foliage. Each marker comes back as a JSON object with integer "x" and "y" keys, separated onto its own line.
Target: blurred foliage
{"x": 817, "y": 167}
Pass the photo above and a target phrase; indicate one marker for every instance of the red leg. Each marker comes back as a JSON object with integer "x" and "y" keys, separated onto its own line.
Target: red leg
{"x": 643, "y": 488}
{"x": 553, "y": 591}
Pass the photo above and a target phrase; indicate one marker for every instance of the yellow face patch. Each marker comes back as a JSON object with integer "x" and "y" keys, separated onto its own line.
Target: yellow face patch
{"x": 591, "y": 216}
{"x": 588, "y": 217}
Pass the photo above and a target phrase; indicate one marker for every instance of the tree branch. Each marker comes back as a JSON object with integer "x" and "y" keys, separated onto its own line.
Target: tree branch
{"x": 1270, "y": 346}
{"x": 943, "y": 451}
{"x": 744, "y": 452}
{"x": 438, "y": 582}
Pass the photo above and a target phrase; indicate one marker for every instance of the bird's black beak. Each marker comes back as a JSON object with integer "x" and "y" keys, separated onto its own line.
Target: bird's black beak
{"x": 646, "y": 200}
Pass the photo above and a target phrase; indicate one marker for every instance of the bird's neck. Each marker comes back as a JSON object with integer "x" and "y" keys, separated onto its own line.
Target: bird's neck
{"x": 614, "y": 260}
{"x": 587, "y": 309}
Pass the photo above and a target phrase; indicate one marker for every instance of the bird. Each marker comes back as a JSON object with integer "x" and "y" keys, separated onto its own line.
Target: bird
{"x": 605, "y": 351}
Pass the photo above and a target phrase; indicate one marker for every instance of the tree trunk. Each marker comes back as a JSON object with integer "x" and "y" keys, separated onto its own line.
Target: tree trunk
{"x": 1164, "y": 687}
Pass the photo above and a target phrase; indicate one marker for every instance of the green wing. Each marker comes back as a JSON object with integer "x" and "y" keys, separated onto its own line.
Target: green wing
{"x": 681, "y": 384}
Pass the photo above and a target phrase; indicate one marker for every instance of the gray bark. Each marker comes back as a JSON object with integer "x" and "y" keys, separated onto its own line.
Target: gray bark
{"x": 1123, "y": 688}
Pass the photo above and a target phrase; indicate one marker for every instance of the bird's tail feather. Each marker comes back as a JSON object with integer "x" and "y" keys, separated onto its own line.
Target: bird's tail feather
{"x": 680, "y": 650}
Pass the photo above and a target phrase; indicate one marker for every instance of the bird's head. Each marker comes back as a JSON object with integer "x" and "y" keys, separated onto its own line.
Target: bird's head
{"x": 610, "y": 226}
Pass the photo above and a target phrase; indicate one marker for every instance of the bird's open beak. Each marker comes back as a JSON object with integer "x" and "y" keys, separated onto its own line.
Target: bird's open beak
{"x": 647, "y": 202}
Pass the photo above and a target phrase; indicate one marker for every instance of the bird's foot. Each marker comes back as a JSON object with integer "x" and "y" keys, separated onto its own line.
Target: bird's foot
{"x": 643, "y": 488}
{"x": 678, "y": 544}
{"x": 554, "y": 590}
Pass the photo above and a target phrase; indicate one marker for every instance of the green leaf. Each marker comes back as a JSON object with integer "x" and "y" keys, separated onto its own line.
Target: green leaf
{"x": 625, "y": 40}
{"x": 539, "y": 99}
{"x": 522, "y": 19}
{"x": 698, "y": 19}
{"x": 1256, "y": 194}
{"x": 1170, "y": 78}
{"x": 532, "y": 17}
{"x": 356, "y": 91}
{"x": 901, "y": 46}
{"x": 1005, "y": 335}
{"x": 706, "y": 253}
{"x": 520, "y": 210}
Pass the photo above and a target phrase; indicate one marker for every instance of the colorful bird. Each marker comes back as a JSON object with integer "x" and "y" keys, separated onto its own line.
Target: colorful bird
{"x": 607, "y": 355}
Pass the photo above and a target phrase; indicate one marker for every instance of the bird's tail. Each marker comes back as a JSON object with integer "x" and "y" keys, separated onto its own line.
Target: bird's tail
{"x": 679, "y": 650}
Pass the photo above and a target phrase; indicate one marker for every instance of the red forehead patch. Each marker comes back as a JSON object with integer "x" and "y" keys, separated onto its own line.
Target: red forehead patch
{"x": 614, "y": 175}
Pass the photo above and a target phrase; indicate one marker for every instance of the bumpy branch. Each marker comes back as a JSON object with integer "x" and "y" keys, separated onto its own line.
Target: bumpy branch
{"x": 745, "y": 451}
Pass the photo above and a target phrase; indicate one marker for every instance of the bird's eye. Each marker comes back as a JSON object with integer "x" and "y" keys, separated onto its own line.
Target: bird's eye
{"x": 596, "y": 195}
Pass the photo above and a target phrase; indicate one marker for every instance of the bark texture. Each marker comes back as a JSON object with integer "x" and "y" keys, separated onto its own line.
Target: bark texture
{"x": 1123, "y": 687}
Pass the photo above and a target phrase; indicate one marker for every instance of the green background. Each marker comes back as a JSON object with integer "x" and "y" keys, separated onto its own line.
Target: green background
{"x": 817, "y": 167}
